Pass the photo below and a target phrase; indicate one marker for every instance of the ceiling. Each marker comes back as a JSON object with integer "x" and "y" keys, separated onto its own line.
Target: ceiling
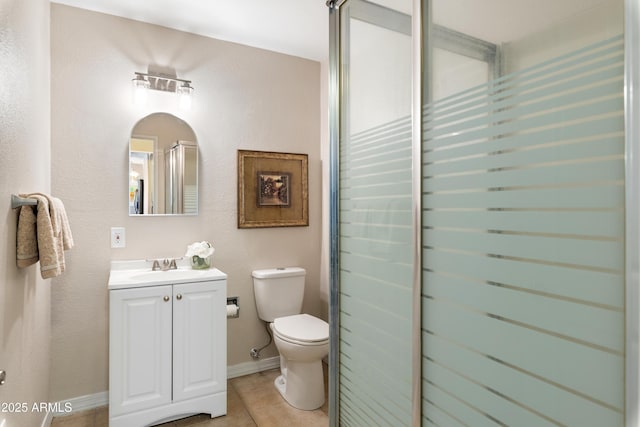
{"x": 294, "y": 27}
{"x": 301, "y": 27}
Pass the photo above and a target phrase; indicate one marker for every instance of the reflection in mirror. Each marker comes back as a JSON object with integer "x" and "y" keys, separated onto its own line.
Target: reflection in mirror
{"x": 163, "y": 167}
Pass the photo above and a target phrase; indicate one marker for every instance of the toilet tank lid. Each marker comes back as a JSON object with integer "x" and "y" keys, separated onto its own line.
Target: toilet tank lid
{"x": 278, "y": 272}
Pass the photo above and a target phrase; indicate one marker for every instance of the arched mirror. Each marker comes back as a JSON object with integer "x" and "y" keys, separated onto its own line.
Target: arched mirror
{"x": 163, "y": 167}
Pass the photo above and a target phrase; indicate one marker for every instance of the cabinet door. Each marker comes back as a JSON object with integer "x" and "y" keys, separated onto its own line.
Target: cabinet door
{"x": 140, "y": 349}
{"x": 199, "y": 339}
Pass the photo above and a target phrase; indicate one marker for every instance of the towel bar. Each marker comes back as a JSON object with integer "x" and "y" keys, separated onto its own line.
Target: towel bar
{"x": 17, "y": 201}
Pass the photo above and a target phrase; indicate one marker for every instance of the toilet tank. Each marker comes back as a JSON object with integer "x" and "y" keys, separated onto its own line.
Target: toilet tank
{"x": 278, "y": 291}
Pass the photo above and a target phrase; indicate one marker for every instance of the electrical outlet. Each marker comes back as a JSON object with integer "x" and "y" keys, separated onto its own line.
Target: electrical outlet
{"x": 117, "y": 237}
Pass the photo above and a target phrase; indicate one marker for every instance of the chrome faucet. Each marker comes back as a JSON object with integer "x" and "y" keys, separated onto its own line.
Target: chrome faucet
{"x": 167, "y": 264}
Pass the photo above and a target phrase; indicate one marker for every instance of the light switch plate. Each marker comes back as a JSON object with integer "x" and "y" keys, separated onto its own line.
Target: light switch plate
{"x": 117, "y": 237}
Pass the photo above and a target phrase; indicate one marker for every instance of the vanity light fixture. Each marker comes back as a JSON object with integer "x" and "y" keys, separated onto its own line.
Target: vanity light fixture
{"x": 143, "y": 82}
{"x": 140, "y": 86}
{"x": 184, "y": 91}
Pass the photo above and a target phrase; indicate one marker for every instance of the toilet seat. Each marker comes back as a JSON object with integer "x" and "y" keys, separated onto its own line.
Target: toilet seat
{"x": 301, "y": 342}
{"x": 302, "y": 329}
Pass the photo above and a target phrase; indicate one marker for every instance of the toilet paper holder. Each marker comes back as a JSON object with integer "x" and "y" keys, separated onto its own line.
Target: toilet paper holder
{"x": 233, "y": 307}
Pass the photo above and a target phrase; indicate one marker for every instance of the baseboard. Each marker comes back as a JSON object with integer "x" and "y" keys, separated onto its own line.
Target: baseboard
{"x": 82, "y": 403}
{"x": 91, "y": 401}
{"x": 47, "y": 420}
{"x": 248, "y": 368}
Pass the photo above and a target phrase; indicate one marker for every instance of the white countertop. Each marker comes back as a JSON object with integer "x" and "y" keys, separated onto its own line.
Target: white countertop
{"x": 138, "y": 273}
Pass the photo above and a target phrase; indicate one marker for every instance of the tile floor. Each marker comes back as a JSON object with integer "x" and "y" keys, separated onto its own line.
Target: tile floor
{"x": 252, "y": 400}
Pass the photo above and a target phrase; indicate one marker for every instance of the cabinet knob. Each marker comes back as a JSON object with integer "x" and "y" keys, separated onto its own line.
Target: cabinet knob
{"x": 179, "y": 297}
{"x": 166, "y": 298}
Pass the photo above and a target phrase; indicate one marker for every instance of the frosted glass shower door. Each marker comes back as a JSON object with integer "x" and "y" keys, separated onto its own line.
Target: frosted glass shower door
{"x": 523, "y": 232}
{"x": 375, "y": 231}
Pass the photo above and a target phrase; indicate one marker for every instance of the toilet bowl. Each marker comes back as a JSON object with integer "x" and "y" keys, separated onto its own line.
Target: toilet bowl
{"x": 302, "y": 341}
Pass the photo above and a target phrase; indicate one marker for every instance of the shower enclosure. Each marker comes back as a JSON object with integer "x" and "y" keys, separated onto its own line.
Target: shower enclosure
{"x": 484, "y": 213}
{"x": 182, "y": 178}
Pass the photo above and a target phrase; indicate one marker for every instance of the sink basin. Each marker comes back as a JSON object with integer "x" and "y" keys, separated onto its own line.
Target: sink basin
{"x": 169, "y": 275}
{"x": 134, "y": 274}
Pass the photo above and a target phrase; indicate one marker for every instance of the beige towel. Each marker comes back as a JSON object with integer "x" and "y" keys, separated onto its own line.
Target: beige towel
{"x": 26, "y": 238}
{"x": 60, "y": 222}
{"x": 53, "y": 235}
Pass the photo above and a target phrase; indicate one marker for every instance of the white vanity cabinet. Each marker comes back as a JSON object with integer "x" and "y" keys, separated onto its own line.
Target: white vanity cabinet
{"x": 167, "y": 349}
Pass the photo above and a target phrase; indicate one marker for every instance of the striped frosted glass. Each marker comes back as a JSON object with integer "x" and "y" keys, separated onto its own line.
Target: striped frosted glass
{"x": 375, "y": 277}
{"x": 523, "y": 247}
{"x": 375, "y": 261}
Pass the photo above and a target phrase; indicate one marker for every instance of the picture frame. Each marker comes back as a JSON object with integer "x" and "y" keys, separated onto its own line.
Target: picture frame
{"x": 272, "y": 189}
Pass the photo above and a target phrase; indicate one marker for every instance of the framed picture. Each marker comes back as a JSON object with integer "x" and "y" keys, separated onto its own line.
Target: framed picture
{"x": 272, "y": 189}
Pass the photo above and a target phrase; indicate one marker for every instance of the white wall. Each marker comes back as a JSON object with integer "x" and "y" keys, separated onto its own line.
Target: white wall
{"x": 24, "y": 167}
{"x": 245, "y": 98}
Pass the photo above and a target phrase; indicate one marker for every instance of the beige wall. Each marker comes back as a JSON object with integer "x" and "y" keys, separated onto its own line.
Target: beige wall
{"x": 24, "y": 167}
{"x": 245, "y": 98}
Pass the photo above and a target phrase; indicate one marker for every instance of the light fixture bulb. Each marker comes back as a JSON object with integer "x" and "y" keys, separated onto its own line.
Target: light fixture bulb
{"x": 185, "y": 93}
{"x": 140, "y": 86}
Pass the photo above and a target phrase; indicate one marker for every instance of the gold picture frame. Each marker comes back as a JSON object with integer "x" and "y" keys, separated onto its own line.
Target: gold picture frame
{"x": 272, "y": 189}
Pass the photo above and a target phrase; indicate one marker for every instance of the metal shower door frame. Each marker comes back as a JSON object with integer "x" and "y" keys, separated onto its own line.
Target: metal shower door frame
{"x": 632, "y": 202}
{"x": 375, "y": 15}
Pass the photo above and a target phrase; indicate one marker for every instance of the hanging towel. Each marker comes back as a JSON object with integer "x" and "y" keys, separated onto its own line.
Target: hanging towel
{"x": 53, "y": 235}
{"x": 59, "y": 213}
{"x": 26, "y": 238}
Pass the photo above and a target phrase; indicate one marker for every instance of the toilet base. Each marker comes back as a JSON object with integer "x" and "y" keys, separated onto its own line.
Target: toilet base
{"x": 305, "y": 391}
{"x": 280, "y": 384}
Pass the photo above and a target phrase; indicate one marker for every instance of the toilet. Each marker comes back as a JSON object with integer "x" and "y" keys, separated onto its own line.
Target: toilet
{"x": 302, "y": 340}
